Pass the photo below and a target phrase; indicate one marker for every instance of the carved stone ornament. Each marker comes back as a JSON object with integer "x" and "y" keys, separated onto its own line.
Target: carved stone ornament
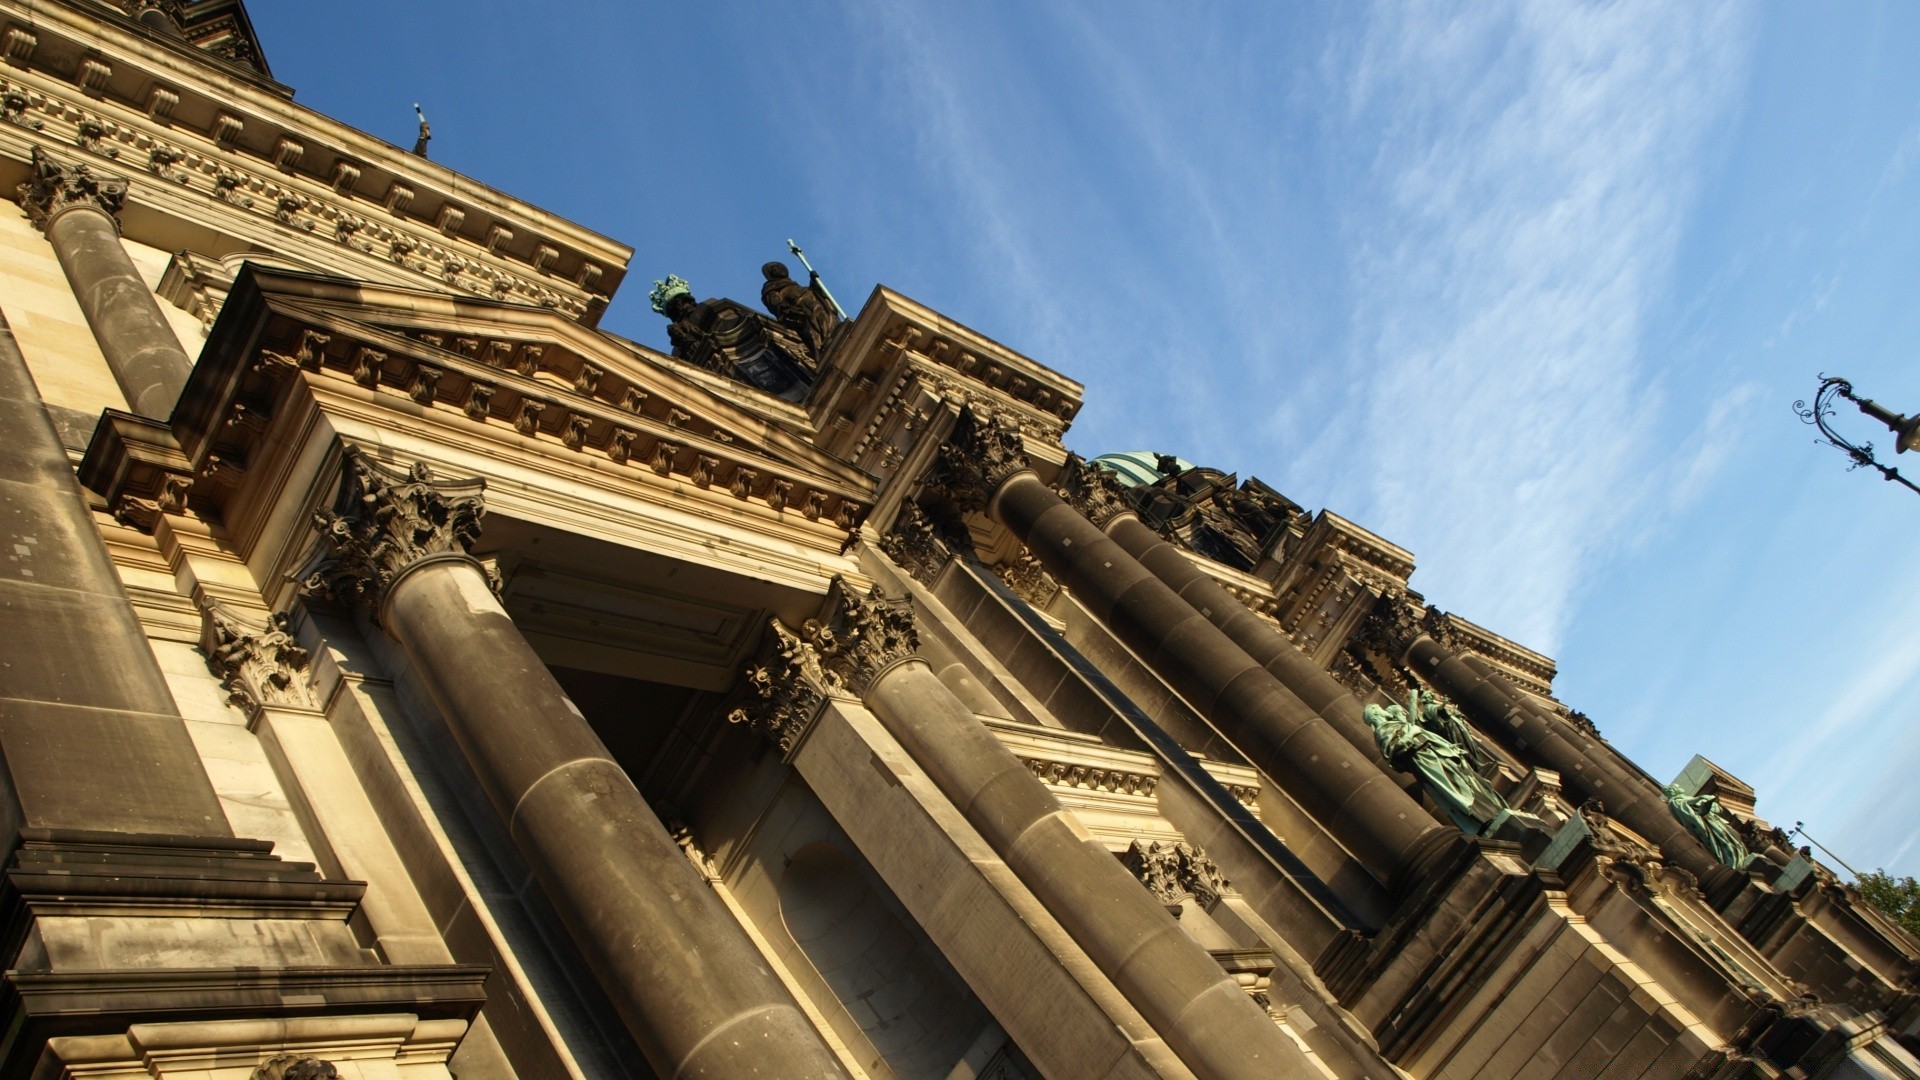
{"x": 1173, "y": 872}
{"x": 839, "y": 653}
{"x": 983, "y": 452}
{"x": 1029, "y": 580}
{"x": 915, "y": 544}
{"x": 383, "y": 522}
{"x": 1391, "y": 627}
{"x": 861, "y": 636}
{"x": 258, "y": 666}
{"x": 1093, "y": 491}
{"x": 57, "y": 186}
{"x": 291, "y": 1067}
{"x": 783, "y": 691}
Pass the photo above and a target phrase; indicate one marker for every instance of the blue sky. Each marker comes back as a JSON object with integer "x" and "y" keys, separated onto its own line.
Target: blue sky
{"x": 1527, "y": 288}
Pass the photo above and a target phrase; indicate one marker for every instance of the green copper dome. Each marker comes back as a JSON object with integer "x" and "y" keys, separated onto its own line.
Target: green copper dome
{"x": 1136, "y": 468}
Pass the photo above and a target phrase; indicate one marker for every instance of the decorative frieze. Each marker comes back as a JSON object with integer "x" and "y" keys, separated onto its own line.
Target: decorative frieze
{"x": 57, "y": 187}
{"x": 383, "y": 522}
{"x": 258, "y": 666}
{"x": 1175, "y": 872}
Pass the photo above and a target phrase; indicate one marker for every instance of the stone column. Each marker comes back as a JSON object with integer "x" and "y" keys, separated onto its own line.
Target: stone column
{"x": 90, "y": 738}
{"x": 1355, "y": 800}
{"x": 77, "y": 210}
{"x": 1536, "y": 735}
{"x": 1306, "y": 680}
{"x": 867, "y": 646}
{"x": 692, "y": 988}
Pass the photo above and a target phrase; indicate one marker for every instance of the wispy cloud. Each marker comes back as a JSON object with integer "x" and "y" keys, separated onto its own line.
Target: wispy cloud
{"x": 1535, "y": 167}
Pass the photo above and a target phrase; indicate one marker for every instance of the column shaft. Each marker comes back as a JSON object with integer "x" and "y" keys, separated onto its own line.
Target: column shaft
{"x": 693, "y": 989}
{"x": 1296, "y": 671}
{"x": 89, "y": 734}
{"x": 1534, "y": 733}
{"x": 1182, "y": 991}
{"x": 134, "y": 335}
{"x": 1365, "y": 810}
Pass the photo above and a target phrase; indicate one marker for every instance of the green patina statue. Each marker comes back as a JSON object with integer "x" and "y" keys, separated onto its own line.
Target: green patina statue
{"x": 1444, "y": 769}
{"x": 1708, "y": 821}
{"x": 1443, "y": 718}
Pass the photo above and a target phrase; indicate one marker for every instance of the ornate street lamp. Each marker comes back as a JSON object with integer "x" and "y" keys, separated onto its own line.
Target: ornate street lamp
{"x": 1906, "y": 430}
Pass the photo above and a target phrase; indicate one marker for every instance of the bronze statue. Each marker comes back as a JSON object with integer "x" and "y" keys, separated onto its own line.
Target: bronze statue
{"x": 798, "y": 308}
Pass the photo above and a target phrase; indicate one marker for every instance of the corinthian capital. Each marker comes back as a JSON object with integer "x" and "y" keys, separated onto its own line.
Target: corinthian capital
{"x": 862, "y": 636}
{"x": 1392, "y": 626}
{"x": 856, "y": 639}
{"x": 1093, "y": 491}
{"x": 984, "y": 450}
{"x": 383, "y": 522}
{"x": 1174, "y": 871}
{"x": 257, "y": 665}
{"x": 782, "y": 692}
{"x": 57, "y": 187}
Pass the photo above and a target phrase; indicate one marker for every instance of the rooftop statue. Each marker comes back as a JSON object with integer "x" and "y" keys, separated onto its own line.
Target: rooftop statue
{"x": 728, "y": 338}
{"x": 1709, "y": 822}
{"x": 799, "y": 309}
{"x": 1444, "y": 769}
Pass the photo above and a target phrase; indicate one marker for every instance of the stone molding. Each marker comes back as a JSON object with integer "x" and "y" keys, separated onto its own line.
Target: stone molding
{"x": 59, "y": 186}
{"x": 385, "y": 521}
{"x": 982, "y": 453}
{"x": 222, "y": 171}
{"x": 1174, "y": 871}
{"x": 258, "y": 666}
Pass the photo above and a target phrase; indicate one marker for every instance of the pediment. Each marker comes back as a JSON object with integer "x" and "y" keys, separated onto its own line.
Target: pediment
{"x": 567, "y": 389}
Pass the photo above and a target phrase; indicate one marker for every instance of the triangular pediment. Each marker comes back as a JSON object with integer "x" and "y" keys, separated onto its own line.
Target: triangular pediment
{"x": 569, "y": 389}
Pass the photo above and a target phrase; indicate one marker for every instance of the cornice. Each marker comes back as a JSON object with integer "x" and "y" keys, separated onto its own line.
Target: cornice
{"x": 280, "y": 375}
{"x": 260, "y": 166}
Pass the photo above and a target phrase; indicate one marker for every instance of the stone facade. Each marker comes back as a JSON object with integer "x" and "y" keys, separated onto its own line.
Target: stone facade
{"x": 403, "y": 678}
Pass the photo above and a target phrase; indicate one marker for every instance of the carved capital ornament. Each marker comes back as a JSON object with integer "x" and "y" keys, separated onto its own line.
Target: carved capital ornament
{"x": 841, "y": 653}
{"x": 1173, "y": 872}
{"x": 984, "y": 452}
{"x": 383, "y": 522}
{"x": 1094, "y": 491}
{"x": 258, "y": 666}
{"x": 57, "y": 187}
